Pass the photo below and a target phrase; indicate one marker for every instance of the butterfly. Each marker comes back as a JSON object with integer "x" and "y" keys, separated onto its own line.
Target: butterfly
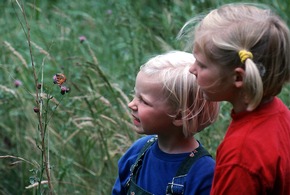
{"x": 59, "y": 79}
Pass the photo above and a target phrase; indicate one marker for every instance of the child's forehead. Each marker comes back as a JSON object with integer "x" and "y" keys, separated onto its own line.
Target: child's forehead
{"x": 148, "y": 78}
{"x": 148, "y": 87}
{"x": 147, "y": 84}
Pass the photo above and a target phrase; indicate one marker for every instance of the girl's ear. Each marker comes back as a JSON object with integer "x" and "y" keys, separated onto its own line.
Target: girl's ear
{"x": 239, "y": 77}
{"x": 177, "y": 121}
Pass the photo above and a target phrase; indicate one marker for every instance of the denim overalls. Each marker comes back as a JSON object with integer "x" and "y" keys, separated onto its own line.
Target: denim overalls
{"x": 178, "y": 182}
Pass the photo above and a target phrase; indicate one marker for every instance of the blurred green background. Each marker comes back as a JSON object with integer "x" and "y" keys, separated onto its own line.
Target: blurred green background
{"x": 99, "y": 45}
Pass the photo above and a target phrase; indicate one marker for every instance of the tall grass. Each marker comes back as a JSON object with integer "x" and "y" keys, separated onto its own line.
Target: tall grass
{"x": 89, "y": 128}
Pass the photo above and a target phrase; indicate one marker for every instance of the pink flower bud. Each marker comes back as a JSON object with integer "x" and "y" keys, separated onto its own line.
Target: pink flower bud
{"x": 17, "y": 83}
{"x": 82, "y": 38}
{"x": 63, "y": 90}
{"x": 54, "y": 79}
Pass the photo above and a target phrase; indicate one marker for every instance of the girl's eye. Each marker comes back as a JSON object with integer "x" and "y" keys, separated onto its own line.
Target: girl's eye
{"x": 200, "y": 65}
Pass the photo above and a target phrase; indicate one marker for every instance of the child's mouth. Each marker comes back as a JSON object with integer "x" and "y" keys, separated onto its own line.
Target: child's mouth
{"x": 136, "y": 121}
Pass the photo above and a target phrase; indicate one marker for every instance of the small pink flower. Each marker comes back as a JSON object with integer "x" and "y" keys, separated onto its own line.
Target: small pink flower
{"x": 54, "y": 79}
{"x": 64, "y": 89}
{"x": 17, "y": 83}
{"x": 82, "y": 38}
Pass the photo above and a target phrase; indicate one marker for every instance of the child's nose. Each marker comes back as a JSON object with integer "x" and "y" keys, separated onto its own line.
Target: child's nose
{"x": 132, "y": 105}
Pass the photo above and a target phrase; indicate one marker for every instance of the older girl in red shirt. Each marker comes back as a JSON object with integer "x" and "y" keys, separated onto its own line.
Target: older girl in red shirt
{"x": 243, "y": 56}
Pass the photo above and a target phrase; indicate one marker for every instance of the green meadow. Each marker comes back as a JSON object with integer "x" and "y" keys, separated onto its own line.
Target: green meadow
{"x": 68, "y": 140}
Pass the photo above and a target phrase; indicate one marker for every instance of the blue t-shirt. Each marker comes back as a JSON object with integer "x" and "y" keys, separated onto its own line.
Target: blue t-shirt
{"x": 159, "y": 168}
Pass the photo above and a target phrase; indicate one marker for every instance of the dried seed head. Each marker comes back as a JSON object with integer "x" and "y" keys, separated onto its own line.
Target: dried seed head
{"x": 36, "y": 109}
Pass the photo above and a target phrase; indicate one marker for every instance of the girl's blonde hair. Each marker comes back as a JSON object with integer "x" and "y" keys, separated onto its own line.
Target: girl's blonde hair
{"x": 225, "y": 31}
{"x": 181, "y": 91}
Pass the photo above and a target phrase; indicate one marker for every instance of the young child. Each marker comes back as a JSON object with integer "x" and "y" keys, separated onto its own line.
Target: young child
{"x": 167, "y": 104}
{"x": 242, "y": 56}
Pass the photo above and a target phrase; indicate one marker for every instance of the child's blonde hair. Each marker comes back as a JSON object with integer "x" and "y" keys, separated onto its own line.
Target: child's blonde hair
{"x": 225, "y": 31}
{"x": 181, "y": 91}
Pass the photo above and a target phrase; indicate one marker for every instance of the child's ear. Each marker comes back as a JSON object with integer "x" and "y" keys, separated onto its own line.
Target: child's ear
{"x": 239, "y": 77}
{"x": 177, "y": 121}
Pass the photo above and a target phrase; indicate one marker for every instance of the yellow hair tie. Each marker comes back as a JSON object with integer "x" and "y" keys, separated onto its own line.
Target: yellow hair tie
{"x": 244, "y": 54}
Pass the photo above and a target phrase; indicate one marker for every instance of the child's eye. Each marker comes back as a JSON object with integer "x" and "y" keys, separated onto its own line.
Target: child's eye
{"x": 141, "y": 100}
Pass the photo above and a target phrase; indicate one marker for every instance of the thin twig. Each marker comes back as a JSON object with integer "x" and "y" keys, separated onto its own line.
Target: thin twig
{"x": 38, "y": 102}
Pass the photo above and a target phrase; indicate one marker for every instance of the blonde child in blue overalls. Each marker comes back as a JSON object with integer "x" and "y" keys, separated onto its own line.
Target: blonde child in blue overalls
{"x": 169, "y": 108}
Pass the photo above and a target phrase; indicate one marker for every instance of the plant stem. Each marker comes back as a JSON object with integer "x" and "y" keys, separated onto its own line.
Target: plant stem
{"x": 38, "y": 100}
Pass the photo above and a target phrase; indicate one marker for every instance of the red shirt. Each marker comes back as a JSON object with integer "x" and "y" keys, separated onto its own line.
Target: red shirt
{"x": 254, "y": 157}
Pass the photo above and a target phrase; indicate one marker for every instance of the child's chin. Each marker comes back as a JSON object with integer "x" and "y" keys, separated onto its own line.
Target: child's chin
{"x": 140, "y": 130}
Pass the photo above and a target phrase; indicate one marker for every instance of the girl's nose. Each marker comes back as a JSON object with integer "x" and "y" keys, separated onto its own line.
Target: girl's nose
{"x": 192, "y": 69}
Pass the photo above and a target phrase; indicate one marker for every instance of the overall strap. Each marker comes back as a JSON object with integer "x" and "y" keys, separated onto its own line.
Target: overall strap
{"x": 147, "y": 145}
{"x": 178, "y": 182}
{"x": 138, "y": 163}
